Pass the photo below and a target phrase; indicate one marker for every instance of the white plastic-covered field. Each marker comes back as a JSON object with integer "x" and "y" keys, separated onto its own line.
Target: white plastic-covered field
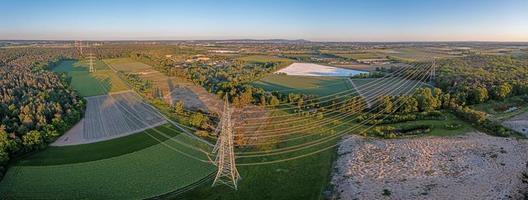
{"x": 110, "y": 116}
{"x": 310, "y": 69}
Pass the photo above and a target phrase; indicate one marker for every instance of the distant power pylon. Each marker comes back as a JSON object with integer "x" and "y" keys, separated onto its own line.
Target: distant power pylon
{"x": 79, "y": 46}
{"x": 91, "y": 58}
{"x": 225, "y": 153}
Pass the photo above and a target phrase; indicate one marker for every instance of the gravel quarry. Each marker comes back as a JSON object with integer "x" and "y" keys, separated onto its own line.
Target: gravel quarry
{"x": 469, "y": 166}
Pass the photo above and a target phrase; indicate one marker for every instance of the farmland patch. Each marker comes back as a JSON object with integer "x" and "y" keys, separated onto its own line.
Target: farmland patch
{"x": 108, "y": 116}
{"x": 101, "y": 82}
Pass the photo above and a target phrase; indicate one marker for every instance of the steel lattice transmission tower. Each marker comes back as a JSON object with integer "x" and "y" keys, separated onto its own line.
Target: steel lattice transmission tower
{"x": 225, "y": 155}
{"x": 91, "y": 58}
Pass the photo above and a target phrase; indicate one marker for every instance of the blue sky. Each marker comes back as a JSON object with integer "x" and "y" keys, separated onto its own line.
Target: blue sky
{"x": 367, "y": 20}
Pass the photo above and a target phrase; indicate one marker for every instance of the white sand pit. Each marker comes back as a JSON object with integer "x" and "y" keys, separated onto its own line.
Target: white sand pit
{"x": 310, "y": 69}
{"x": 472, "y": 166}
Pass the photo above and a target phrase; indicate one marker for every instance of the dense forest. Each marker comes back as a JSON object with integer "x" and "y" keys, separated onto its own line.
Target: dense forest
{"x": 36, "y": 105}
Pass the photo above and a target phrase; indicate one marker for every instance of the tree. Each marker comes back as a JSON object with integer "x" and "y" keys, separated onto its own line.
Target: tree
{"x": 32, "y": 140}
{"x": 426, "y": 101}
{"x": 274, "y": 101}
{"x": 408, "y": 104}
{"x": 198, "y": 120}
{"x": 178, "y": 107}
{"x": 480, "y": 95}
{"x": 502, "y": 91}
{"x": 4, "y": 146}
{"x": 386, "y": 105}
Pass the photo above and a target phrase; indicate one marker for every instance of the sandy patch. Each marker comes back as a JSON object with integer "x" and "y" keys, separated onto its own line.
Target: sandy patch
{"x": 473, "y": 166}
{"x": 518, "y": 123}
{"x": 310, "y": 69}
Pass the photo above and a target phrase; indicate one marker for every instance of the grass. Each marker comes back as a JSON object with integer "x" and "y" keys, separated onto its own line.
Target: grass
{"x": 312, "y": 85}
{"x": 124, "y": 170}
{"x": 101, "y": 82}
{"x": 303, "y": 178}
{"x": 439, "y": 126}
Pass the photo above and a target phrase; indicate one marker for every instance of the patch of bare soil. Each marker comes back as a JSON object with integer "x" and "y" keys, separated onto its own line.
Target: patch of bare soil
{"x": 472, "y": 166}
{"x": 518, "y": 123}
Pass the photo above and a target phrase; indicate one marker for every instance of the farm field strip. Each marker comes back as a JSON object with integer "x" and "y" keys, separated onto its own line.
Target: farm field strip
{"x": 105, "y": 119}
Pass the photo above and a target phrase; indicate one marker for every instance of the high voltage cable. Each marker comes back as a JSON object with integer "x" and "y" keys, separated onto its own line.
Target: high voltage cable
{"x": 295, "y": 157}
{"x": 304, "y": 127}
{"x": 330, "y": 111}
{"x": 163, "y": 134}
{"x": 356, "y": 90}
{"x": 375, "y": 95}
{"x": 304, "y": 136}
{"x": 316, "y": 98}
{"x": 371, "y": 97}
{"x": 169, "y": 120}
{"x": 338, "y": 93}
{"x": 314, "y": 143}
{"x": 291, "y": 147}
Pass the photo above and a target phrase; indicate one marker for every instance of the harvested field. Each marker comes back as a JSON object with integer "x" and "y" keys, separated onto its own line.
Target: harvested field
{"x": 310, "y": 69}
{"x": 196, "y": 98}
{"x": 107, "y": 117}
{"x": 471, "y": 166}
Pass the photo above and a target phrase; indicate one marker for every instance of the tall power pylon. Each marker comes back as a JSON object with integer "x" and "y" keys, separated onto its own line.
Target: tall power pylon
{"x": 225, "y": 151}
{"x": 91, "y": 58}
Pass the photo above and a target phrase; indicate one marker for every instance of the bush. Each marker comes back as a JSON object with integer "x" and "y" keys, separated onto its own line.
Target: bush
{"x": 453, "y": 126}
{"x": 389, "y": 132}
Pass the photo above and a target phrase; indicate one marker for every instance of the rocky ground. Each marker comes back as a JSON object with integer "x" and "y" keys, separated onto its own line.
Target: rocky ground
{"x": 471, "y": 166}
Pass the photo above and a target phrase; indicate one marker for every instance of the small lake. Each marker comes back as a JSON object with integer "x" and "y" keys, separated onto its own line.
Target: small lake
{"x": 310, "y": 69}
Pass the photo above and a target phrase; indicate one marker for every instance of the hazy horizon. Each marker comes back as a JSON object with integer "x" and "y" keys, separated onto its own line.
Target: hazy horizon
{"x": 319, "y": 21}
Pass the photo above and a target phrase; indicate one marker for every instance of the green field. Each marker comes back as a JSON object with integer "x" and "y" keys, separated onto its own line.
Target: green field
{"x": 498, "y": 110}
{"x": 313, "y": 85}
{"x": 127, "y": 65}
{"x": 439, "y": 126}
{"x": 132, "y": 167}
{"x": 101, "y": 82}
